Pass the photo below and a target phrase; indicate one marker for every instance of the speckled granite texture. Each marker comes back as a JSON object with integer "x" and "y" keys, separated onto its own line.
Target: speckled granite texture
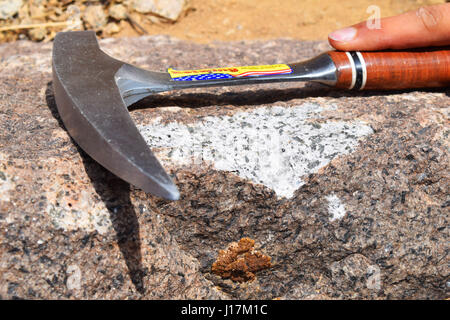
{"x": 357, "y": 207}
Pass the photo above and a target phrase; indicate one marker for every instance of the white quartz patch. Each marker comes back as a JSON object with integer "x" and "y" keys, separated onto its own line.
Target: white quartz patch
{"x": 6, "y": 185}
{"x": 335, "y": 207}
{"x": 73, "y": 277}
{"x": 274, "y": 146}
{"x": 85, "y": 213}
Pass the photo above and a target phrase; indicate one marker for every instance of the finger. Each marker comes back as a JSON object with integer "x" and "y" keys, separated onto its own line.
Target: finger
{"x": 427, "y": 26}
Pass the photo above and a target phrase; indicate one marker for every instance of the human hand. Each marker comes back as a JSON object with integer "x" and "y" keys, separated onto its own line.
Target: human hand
{"x": 427, "y": 26}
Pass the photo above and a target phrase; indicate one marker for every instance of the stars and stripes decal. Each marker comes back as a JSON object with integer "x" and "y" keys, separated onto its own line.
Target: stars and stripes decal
{"x": 209, "y": 76}
{"x": 228, "y": 73}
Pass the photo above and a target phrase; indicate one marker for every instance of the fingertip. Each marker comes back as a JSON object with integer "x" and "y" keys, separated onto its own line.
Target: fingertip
{"x": 341, "y": 39}
{"x": 338, "y": 45}
{"x": 355, "y": 38}
{"x": 344, "y": 35}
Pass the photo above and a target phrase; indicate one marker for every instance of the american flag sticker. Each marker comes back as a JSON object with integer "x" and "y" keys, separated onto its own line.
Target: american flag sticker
{"x": 230, "y": 72}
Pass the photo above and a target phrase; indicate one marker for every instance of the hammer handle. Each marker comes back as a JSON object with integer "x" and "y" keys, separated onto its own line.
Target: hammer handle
{"x": 392, "y": 69}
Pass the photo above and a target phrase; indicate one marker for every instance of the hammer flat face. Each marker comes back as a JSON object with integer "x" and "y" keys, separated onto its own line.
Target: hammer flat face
{"x": 93, "y": 111}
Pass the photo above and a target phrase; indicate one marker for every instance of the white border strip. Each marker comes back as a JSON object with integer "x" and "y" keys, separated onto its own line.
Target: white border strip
{"x": 352, "y": 63}
{"x": 364, "y": 69}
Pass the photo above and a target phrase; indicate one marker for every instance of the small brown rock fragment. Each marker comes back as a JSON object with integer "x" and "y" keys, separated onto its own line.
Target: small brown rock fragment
{"x": 257, "y": 261}
{"x": 240, "y": 262}
{"x": 244, "y": 245}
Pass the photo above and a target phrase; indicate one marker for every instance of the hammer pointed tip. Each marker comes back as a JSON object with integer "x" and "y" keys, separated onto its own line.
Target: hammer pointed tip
{"x": 172, "y": 192}
{"x": 174, "y": 196}
{"x": 167, "y": 190}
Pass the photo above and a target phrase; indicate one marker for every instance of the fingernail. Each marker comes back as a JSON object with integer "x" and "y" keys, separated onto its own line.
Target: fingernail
{"x": 346, "y": 34}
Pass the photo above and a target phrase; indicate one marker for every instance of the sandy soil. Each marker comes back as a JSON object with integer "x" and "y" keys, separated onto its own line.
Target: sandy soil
{"x": 210, "y": 20}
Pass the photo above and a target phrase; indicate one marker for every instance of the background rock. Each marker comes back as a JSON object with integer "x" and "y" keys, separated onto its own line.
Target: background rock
{"x": 118, "y": 12}
{"x": 170, "y": 9}
{"x": 369, "y": 223}
{"x": 9, "y": 8}
{"x": 95, "y": 17}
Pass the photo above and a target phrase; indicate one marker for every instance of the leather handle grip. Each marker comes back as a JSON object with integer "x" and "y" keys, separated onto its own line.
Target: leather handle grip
{"x": 422, "y": 68}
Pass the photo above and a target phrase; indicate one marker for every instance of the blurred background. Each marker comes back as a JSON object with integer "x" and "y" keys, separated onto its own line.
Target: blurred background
{"x": 196, "y": 20}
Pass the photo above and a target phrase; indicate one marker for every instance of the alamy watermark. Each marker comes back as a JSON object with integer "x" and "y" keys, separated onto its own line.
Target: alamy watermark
{"x": 374, "y": 20}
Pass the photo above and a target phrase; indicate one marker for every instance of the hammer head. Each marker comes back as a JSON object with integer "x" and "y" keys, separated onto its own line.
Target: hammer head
{"x": 94, "y": 113}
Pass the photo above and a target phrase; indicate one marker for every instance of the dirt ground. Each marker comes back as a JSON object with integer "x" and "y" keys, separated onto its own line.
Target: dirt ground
{"x": 201, "y": 21}
{"x": 209, "y": 20}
